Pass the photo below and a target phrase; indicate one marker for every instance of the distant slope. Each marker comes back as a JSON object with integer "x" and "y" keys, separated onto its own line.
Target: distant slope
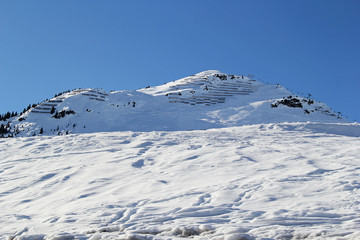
{"x": 268, "y": 181}
{"x": 209, "y": 99}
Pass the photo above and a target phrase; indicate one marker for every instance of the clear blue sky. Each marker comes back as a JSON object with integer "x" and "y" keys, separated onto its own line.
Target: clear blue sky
{"x": 310, "y": 46}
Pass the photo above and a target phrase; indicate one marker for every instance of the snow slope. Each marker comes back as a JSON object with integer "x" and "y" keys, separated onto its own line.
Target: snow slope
{"x": 209, "y": 99}
{"x": 265, "y": 181}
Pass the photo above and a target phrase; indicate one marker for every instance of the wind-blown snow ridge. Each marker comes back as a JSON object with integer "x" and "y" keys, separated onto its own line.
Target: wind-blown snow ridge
{"x": 209, "y": 99}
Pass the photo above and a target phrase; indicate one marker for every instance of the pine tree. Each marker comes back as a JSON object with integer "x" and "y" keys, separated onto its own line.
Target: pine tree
{"x": 41, "y": 131}
{"x": 3, "y": 129}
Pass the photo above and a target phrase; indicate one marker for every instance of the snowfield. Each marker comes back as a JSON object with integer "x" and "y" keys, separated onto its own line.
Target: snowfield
{"x": 264, "y": 181}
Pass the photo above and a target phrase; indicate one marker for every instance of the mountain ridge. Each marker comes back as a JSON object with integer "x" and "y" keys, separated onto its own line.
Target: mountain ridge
{"x": 209, "y": 99}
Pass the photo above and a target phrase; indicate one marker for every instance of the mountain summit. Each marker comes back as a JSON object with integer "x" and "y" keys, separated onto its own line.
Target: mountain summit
{"x": 209, "y": 99}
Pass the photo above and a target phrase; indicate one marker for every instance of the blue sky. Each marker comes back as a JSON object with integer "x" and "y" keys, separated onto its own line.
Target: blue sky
{"x": 307, "y": 46}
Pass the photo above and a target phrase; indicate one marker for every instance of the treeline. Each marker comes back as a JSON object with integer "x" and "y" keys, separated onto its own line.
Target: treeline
{"x": 61, "y": 93}
{"x": 6, "y": 116}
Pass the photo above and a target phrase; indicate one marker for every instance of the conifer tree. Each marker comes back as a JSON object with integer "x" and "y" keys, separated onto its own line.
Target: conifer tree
{"x": 3, "y": 129}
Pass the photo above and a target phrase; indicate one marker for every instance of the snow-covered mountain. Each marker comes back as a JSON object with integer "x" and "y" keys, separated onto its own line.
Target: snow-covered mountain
{"x": 259, "y": 164}
{"x": 209, "y": 99}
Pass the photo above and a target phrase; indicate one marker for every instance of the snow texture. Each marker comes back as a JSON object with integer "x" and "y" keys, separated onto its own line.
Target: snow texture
{"x": 266, "y": 181}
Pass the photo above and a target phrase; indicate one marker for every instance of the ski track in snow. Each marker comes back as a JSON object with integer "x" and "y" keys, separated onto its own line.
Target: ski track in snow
{"x": 268, "y": 181}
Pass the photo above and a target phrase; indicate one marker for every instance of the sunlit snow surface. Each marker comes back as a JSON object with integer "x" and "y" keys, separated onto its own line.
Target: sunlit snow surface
{"x": 205, "y": 100}
{"x": 267, "y": 181}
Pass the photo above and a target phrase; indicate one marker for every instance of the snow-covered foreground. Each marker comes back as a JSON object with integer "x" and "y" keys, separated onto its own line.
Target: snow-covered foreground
{"x": 268, "y": 181}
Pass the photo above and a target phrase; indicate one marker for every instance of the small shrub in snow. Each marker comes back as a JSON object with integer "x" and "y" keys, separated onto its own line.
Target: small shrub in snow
{"x": 290, "y": 102}
{"x": 221, "y": 76}
{"x": 63, "y": 113}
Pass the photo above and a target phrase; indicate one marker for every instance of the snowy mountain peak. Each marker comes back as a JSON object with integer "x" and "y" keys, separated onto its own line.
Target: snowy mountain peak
{"x": 211, "y": 89}
{"x": 209, "y": 99}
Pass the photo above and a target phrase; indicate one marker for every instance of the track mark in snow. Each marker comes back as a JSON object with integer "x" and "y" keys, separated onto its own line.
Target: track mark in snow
{"x": 26, "y": 200}
{"x": 242, "y": 158}
{"x": 118, "y": 215}
{"x": 175, "y": 197}
{"x": 26, "y": 145}
{"x": 46, "y": 177}
{"x": 203, "y": 199}
{"x": 350, "y": 186}
{"x": 138, "y": 164}
{"x": 194, "y": 147}
{"x": 170, "y": 143}
{"x": 58, "y": 150}
{"x": 254, "y": 214}
{"x": 318, "y": 172}
{"x": 52, "y": 220}
{"x": 245, "y": 195}
{"x": 203, "y": 212}
{"x": 238, "y": 200}
{"x": 192, "y": 157}
{"x": 308, "y": 176}
{"x": 127, "y": 215}
{"x": 86, "y": 195}
{"x": 20, "y": 216}
{"x": 145, "y": 147}
{"x": 69, "y": 220}
{"x": 66, "y": 178}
